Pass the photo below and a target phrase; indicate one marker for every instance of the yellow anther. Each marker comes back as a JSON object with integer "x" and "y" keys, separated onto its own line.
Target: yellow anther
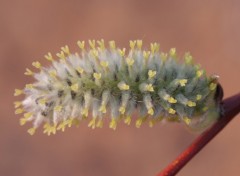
{"x": 172, "y": 100}
{"x": 92, "y": 123}
{"x": 112, "y": 44}
{"x": 104, "y": 64}
{"x": 123, "y": 86}
{"x": 132, "y": 44}
{"x": 187, "y": 120}
{"x": 49, "y": 57}
{"x": 94, "y": 52}
{"x": 139, "y": 44}
{"x": 183, "y": 82}
{"x": 129, "y": 61}
{"x": 171, "y": 111}
{"x": 188, "y": 58}
{"x": 102, "y": 109}
{"x": 139, "y": 122}
{"x": 28, "y": 72}
{"x": 37, "y": 64}
{"x": 97, "y": 75}
{"x": 149, "y": 87}
{"x": 80, "y": 70}
{"x": 113, "y": 124}
{"x": 99, "y": 123}
{"x": 61, "y": 55}
{"x": 69, "y": 122}
{"x": 18, "y": 92}
{"x": 122, "y": 52}
{"x": 151, "y": 123}
{"x": 74, "y": 87}
{"x": 62, "y": 126}
{"x": 191, "y": 103}
{"x": 154, "y": 47}
{"x": 198, "y": 97}
{"x": 58, "y": 108}
{"x": 17, "y": 104}
{"x": 27, "y": 115}
{"x": 81, "y": 44}
{"x": 199, "y": 73}
{"x": 75, "y": 121}
{"x": 150, "y": 111}
{"x": 101, "y": 44}
{"x": 29, "y": 86}
{"x": 92, "y": 43}
{"x": 146, "y": 54}
{"x": 151, "y": 74}
{"x": 164, "y": 56}
{"x": 32, "y": 131}
{"x": 50, "y": 129}
{"x": 172, "y": 52}
{"x": 42, "y": 101}
{"x": 53, "y": 73}
{"x": 127, "y": 120}
{"x": 205, "y": 109}
{"x": 212, "y": 86}
{"x": 19, "y": 111}
{"x": 122, "y": 110}
{"x": 66, "y": 50}
{"x": 84, "y": 112}
{"x": 22, "y": 121}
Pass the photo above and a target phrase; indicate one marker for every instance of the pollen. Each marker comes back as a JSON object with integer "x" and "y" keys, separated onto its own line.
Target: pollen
{"x": 103, "y": 109}
{"x": 58, "y": 108}
{"x": 213, "y": 86}
{"x": 171, "y": 111}
{"x": 151, "y": 73}
{"x": 151, "y": 111}
{"x": 17, "y": 104}
{"x": 66, "y": 50}
{"x": 187, "y": 120}
{"x": 123, "y": 86}
{"x": 198, "y": 97}
{"x": 97, "y": 75}
{"x": 113, "y": 124}
{"x": 104, "y": 64}
{"x": 172, "y": 100}
{"x": 183, "y": 82}
{"x": 199, "y": 73}
{"x": 74, "y": 87}
{"x": 132, "y": 44}
{"x": 146, "y": 54}
{"x": 31, "y": 131}
{"x": 122, "y": 52}
{"x": 191, "y": 103}
{"x": 130, "y": 61}
{"x": 37, "y": 64}
{"x": 28, "y": 72}
{"x": 61, "y": 55}
{"x": 127, "y": 120}
{"x": 139, "y": 122}
{"x": 149, "y": 88}
{"x": 81, "y": 44}
{"x": 49, "y": 57}
{"x": 122, "y": 110}
{"x": 106, "y": 83}
{"x": 19, "y": 111}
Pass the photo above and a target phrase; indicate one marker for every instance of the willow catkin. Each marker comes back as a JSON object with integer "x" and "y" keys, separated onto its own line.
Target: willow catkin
{"x": 101, "y": 82}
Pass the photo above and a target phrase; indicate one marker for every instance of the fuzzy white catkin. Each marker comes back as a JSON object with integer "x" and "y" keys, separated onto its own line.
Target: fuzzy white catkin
{"x": 101, "y": 82}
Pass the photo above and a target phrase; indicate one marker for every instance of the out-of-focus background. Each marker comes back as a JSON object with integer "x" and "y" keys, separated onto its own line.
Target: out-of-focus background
{"x": 30, "y": 29}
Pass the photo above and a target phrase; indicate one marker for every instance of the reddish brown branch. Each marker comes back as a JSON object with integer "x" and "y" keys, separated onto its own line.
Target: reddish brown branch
{"x": 231, "y": 107}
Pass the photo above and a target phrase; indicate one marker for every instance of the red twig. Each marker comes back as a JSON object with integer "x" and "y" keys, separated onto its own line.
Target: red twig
{"x": 231, "y": 107}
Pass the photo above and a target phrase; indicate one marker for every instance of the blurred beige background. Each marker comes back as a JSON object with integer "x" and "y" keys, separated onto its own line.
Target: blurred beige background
{"x": 29, "y": 29}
